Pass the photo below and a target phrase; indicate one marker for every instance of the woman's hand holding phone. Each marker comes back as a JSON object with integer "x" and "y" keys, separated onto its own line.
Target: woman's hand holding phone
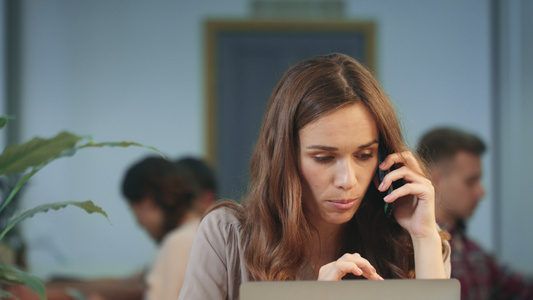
{"x": 415, "y": 211}
{"x": 415, "y": 199}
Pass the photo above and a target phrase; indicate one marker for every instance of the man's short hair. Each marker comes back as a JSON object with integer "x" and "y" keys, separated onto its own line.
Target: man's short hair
{"x": 444, "y": 143}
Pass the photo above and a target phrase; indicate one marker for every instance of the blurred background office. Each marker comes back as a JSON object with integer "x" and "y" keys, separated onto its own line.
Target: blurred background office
{"x": 139, "y": 71}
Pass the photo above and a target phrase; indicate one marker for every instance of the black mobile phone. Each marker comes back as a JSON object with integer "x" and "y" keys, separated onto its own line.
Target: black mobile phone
{"x": 382, "y": 153}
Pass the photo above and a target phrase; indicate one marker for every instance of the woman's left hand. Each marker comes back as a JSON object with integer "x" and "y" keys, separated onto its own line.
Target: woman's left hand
{"x": 415, "y": 200}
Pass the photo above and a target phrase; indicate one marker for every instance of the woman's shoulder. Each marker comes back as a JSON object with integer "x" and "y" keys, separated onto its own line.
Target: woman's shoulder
{"x": 223, "y": 218}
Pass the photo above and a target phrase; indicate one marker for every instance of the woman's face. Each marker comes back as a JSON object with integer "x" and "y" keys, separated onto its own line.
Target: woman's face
{"x": 337, "y": 161}
{"x": 149, "y": 216}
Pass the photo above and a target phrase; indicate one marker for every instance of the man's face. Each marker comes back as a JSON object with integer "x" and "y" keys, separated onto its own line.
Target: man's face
{"x": 460, "y": 186}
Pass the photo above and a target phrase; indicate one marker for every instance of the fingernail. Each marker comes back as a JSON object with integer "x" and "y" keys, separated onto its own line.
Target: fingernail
{"x": 380, "y": 187}
{"x": 386, "y": 198}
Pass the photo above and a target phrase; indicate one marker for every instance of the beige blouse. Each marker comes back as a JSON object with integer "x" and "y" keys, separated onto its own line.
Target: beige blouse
{"x": 166, "y": 276}
{"x": 215, "y": 269}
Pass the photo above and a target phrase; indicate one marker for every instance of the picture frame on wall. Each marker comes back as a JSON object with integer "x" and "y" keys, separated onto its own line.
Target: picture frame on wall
{"x": 244, "y": 60}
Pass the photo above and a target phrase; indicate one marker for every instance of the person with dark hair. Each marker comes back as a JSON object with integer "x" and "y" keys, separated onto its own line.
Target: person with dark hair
{"x": 160, "y": 198}
{"x": 453, "y": 157}
{"x": 314, "y": 209}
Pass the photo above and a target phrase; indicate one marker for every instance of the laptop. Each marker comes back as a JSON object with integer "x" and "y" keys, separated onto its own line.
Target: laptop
{"x": 391, "y": 289}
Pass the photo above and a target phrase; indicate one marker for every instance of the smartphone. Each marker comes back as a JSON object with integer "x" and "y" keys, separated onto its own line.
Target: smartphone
{"x": 382, "y": 154}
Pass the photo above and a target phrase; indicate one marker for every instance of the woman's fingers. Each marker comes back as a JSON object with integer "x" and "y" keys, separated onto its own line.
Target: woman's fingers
{"x": 404, "y": 158}
{"x": 406, "y": 169}
{"x": 348, "y": 263}
{"x": 414, "y": 184}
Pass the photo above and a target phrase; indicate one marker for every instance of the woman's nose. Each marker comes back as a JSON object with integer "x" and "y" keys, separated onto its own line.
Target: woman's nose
{"x": 345, "y": 175}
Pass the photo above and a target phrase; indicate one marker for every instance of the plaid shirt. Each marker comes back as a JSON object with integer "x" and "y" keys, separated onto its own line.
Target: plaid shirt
{"x": 481, "y": 277}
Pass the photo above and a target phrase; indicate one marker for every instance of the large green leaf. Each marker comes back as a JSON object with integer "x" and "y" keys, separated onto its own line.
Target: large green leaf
{"x": 18, "y": 158}
{"x": 15, "y": 276}
{"x": 119, "y": 144}
{"x": 70, "y": 150}
{"x": 88, "y": 206}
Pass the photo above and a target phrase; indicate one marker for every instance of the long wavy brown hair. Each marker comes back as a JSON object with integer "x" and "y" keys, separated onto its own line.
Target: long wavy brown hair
{"x": 274, "y": 227}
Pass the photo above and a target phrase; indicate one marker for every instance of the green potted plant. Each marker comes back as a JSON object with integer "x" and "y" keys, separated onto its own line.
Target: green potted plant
{"x": 26, "y": 160}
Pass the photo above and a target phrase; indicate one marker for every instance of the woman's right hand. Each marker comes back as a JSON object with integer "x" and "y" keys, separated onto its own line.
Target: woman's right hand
{"x": 348, "y": 263}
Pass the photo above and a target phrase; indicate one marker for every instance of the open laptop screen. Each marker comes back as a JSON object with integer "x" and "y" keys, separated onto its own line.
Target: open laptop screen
{"x": 392, "y": 289}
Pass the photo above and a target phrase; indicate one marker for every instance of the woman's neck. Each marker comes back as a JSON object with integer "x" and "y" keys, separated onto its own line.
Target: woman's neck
{"x": 326, "y": 244}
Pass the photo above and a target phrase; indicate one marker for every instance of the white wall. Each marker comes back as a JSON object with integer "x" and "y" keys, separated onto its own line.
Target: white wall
{"x": 133, "y": 70}
{"x": 516, "y": 141}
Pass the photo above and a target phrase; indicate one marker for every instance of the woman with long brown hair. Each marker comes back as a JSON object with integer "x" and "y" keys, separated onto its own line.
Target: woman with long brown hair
{"x": 315, "y": 206}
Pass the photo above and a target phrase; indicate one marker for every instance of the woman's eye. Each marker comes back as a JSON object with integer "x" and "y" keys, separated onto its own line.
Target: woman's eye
{"x": 322, "y": 159}
{"x": 364, "y": 156}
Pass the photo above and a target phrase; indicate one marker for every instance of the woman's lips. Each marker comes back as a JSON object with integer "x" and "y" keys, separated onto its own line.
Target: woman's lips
{"x": 343, "y": 204}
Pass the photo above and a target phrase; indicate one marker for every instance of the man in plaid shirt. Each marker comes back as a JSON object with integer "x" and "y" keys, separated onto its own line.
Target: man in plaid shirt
{"x": 454, "y": 159}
